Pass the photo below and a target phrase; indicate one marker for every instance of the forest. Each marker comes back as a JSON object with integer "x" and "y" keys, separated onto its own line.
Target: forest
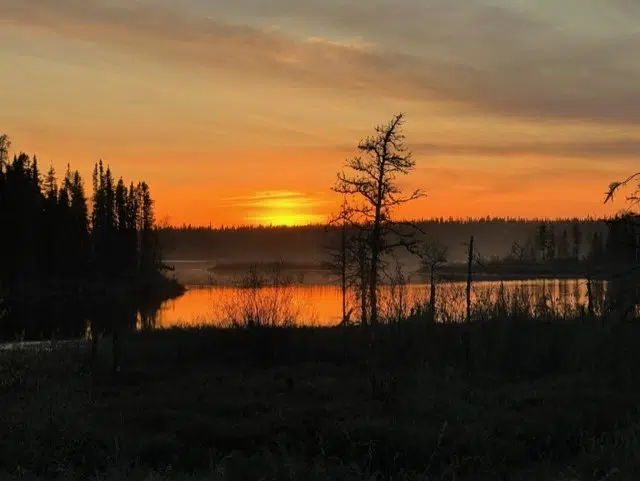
{"x": 305, "y": 244}
{"x": 58, "y": 244}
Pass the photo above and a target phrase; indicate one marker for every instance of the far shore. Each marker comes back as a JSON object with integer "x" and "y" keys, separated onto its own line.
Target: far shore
{"x": 204, "y": 273}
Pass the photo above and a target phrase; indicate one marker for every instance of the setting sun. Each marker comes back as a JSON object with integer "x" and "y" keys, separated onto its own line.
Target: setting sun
{"x": 283, "y": 208}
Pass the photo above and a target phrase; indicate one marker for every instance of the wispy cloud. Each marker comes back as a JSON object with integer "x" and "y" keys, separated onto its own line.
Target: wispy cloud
{"x": 621, "y": 149}
{"x": 502, "y": 60}
{"x": 275, "y": 198}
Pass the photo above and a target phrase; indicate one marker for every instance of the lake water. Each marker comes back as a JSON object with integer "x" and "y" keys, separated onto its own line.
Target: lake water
{"x": 306, "y": 304}
{"x": 322, "y": 304}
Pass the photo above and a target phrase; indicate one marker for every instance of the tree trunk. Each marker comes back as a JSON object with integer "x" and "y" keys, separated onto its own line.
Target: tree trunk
{"x": 469, "y": 274}
{"x": 344, "y": 271}
{"x": 432, "y": 298}
{"x": 362, "y": 260}
{"x": 466, "y": 335}
{"x": 373, "y": 280}
{"x": 589, "y": 297}
{"x": 373, "y": 288}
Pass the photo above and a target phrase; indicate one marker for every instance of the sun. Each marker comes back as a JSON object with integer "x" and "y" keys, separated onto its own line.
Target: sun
{"x": 283, "y": 208}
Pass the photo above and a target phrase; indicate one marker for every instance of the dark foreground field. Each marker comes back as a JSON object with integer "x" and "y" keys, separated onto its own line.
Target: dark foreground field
{"x": 512, "y": 401}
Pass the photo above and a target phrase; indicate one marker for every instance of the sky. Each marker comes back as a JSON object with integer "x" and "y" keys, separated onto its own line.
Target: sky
{"x": 243, "y": 111}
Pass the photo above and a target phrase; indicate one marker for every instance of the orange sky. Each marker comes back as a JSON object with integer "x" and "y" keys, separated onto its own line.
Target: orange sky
{"x": 243, "y": 111}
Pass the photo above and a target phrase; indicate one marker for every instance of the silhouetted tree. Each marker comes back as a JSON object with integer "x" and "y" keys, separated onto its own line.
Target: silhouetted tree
{"x": 150, "y": 259}
{"x": 339, "y": 261}
{"x": 360, "y": 249}
{"x": 78, "y": 230}
{"x": 52, "y": 236}
{"x": 435, "y": 254}
{"x": 371, "y": 183}
{"x": 52, "y": 250}
{"x": 50, "y": 227}
{"x": 623, "y": 252}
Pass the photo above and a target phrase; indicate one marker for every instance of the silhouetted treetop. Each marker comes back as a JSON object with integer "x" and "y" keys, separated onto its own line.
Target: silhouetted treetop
{"x": 48, "y": 234}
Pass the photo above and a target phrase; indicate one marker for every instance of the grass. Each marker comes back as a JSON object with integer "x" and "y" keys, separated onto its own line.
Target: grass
{"x": 537, "y": 400}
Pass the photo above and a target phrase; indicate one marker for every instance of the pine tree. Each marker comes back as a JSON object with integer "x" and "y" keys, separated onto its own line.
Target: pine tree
{"x": 50, "y": 235}
{"x": 78, "y": 225}
{"x": 49, "y": 224}
{"x": 149, "y": 255}
{"x": 121, "y": 225}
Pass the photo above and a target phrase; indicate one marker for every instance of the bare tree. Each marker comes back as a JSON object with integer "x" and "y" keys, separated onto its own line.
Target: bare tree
{"x": 622, "y": 290}
{"x": 435, "y": 254}
{"x": 633, "y": 198}
{"x": 349, "y": 262}
{"x": 397, "y": 297}
{"x": 339, "y": 261}
{"x": 371, "y": 184}
{"x": 360, "y": 251}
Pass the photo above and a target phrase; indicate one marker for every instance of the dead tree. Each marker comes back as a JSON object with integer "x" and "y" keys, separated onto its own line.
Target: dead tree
{"x": 469, "y": 278}
{"x": 370, "y": 183}
{"x": 435, "y": 254}
{"x": 340, "y": 261}
{"x": 624, "y": 231}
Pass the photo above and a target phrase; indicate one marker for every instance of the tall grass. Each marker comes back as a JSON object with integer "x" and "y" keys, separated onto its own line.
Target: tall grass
{"x": 498, "y": 302}
{"x": 264, "y": 299}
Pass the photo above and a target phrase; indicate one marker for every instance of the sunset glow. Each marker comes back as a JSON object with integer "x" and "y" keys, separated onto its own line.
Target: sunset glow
{"x": 512, "y": 108}
{"x": 286, "y": 218}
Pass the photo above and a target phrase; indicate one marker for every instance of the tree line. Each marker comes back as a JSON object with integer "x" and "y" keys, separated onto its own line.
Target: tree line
{"x": 52, "y": 233}
{"x": 305, "y": 244}
{"x": 616, "y": 245}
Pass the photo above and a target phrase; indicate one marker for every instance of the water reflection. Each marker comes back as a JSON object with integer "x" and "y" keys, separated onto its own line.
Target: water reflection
{"x": 75, "y": 317}
{"x": 313, "y": 305}
{"x": 322, "y": 305}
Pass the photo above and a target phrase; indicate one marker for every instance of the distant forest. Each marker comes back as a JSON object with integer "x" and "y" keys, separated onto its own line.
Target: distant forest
{"x": 494, "y": 237}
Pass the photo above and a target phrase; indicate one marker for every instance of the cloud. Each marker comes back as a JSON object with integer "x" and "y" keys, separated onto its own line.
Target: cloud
{"x": 199, "y": 41}
{"x": 468, "y": 185}
{"x": 276, "y": 199}
{"x": 619, "y": 149}
{"x": 495, "y": 59}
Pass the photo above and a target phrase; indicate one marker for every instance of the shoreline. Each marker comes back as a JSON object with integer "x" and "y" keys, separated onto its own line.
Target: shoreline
{"x": 165, "y": 288}
{"x": 207, "y": 273}
{"x": 417, "y": 279}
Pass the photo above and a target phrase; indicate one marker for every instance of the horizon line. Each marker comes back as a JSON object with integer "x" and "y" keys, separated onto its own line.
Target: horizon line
{"x": 441, "y": 219}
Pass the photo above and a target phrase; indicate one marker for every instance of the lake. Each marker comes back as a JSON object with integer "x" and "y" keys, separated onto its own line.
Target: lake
{"x": 322, "y": 304}
{"x": 301, "y": 304}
